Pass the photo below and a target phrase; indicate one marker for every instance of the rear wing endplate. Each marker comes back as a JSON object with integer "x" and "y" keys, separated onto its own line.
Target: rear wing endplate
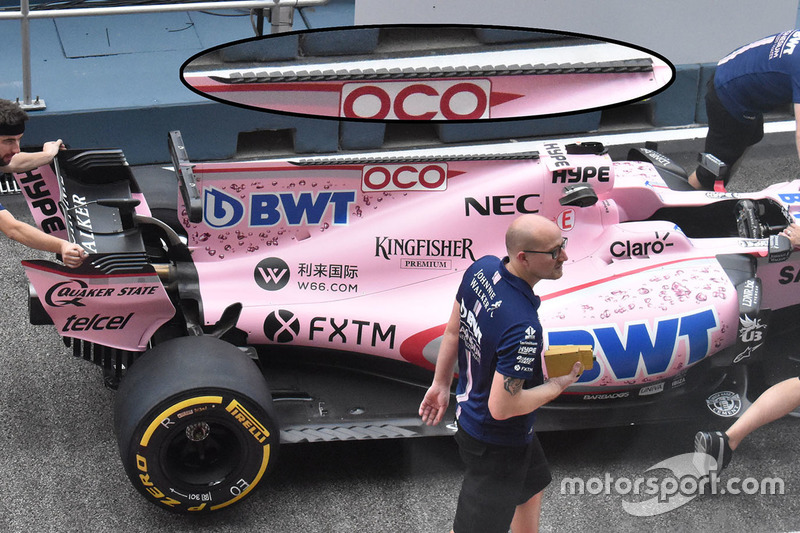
{"x": 186, "y": 179}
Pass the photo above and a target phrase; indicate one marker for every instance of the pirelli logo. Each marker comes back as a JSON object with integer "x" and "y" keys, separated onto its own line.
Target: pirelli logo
{"x": 250, "y": 423}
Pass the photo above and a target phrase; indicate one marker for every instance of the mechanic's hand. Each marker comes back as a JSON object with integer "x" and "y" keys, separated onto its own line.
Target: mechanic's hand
{"x": 72, "y": 254}
{"x": 793, "y": 233}
{"x": 434, "y": 405}
{"x": 568, "y": 379}
{"x": 51, "y": 148}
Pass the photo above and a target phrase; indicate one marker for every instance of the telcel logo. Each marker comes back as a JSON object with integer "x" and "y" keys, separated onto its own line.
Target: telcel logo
{"x": 640, "y": 249}
{"x": 414, "y": 177}
{"x": 432, "y": 100}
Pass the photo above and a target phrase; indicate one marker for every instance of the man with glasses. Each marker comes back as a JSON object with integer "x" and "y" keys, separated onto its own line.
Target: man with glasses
{"x": 495, "y": 336}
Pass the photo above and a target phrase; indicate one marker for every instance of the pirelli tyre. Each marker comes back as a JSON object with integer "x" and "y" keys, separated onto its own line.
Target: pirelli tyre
{"x": 195, "y": 425}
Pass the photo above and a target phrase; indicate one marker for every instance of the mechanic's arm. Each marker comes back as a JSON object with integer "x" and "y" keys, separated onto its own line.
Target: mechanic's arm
{"x": 507, "y": 398}
{"x": 434, "y": 405}
{"x": 25, "y": 161}
{"x": 72, "y": 254}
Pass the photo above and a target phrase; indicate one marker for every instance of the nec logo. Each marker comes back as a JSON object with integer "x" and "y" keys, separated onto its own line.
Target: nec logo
{"x": 432, "y": 100}
{"x": 413, "y": 177}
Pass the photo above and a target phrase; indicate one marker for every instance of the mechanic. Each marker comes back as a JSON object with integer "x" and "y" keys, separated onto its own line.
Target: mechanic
{"x": 494, "y": 335}
{"x": 777, "y": 401}
{"x": 12, "y": 127}
{"x": 754, "y": 79}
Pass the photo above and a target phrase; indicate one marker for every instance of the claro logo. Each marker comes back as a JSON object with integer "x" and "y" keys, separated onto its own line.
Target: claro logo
{"x": 640, "y": 249}
{"x": 433, "y": 100}
{"x": 414, "y": 177}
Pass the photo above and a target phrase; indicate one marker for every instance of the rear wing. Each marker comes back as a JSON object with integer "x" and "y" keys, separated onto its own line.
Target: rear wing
{"x": 87, "y": 197}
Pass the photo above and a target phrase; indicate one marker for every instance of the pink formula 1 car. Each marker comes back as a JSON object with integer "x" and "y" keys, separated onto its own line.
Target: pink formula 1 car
{"x": 304, "y": 299}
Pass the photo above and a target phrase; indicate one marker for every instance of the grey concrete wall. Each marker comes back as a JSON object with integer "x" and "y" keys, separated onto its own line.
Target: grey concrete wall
{"x": 685, "y": 31}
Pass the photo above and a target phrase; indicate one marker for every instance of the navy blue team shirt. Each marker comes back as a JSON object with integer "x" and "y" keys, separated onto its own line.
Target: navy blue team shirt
{"x": 499, "y": 330}
{"x": 760, "y": 76}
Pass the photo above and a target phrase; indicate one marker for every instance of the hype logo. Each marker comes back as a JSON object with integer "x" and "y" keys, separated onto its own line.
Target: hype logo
{"x": 221, "y": 210}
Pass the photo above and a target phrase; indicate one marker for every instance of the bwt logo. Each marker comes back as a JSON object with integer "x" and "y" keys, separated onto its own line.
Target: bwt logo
{"x": 221, "y": 210}
{"x": 643, "y": 347}
{"x": 433, "y": 100}
{"x": 414, "y": 177}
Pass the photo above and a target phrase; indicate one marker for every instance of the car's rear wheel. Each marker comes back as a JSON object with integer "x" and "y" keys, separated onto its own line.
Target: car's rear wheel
{"x": 195, "y": 425}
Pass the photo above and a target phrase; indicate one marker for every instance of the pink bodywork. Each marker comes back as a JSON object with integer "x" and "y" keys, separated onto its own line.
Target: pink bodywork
{"x": 367, "y": 256}
{"x": 466, "y": 98}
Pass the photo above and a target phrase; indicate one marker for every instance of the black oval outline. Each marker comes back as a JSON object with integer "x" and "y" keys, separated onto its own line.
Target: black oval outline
{"x": 421, "y": 122}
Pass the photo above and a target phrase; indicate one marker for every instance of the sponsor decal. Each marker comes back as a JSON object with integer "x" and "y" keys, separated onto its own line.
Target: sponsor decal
{"x": 83, "y": 223}
{"x": 658, "y": 157}
{"x": 403, "y": 178}
{"x": 358, "y": 332}
{"x": 558, "y": 156}
{"x": 328, "y": 272}
{"x": 750, "y": 329}
{"x": 582, "y": 174}
{"x": 640, "y": 249}
{"x": 790, "y": 198}
{"x": 44, "y": 207}
{"x": 724, "y": 403}
{"x": 271, "y": 274}
{"x": 606, "y": 396}
{"x": 649, "y": 347}
{"x": 248, "y": 421}
{"x": 97, "y": 322}
{"x": 678, "y": 381}
{"x": 788, "y": 274}
{"x": 566, "y": 219}
{"x": 432, "y": 100}
{"x": 74, "y": 291}
{"x": 713, "y": 195}
{"x": 655, "y": 388}
{"x": 426, "y": 264}
{"x": 387, "y": 247}
{"x": 222, "y": 210}
{"x": 281, "y": 326}
{"x": 751, "y": 295}
{"x": 753, "y": 243}
{"x": 750, "y": 333}
{"x": 470, "y": 332}
{"x": 323, "y": 270}
{"x": 503, "y": 205}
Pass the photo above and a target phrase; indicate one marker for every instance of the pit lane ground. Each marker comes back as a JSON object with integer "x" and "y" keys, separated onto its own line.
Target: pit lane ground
{"x": 61, "y": 470}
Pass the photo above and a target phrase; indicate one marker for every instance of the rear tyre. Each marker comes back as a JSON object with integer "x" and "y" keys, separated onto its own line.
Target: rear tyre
{"x": 195, "y": 425}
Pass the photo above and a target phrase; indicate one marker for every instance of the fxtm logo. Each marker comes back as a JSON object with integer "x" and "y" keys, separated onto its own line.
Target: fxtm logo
{"x": 221, "y": 210}
{"x": 283, "y": 326}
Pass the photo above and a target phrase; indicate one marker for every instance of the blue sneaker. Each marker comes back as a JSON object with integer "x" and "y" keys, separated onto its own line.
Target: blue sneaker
{"x": 715, "y": 444}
